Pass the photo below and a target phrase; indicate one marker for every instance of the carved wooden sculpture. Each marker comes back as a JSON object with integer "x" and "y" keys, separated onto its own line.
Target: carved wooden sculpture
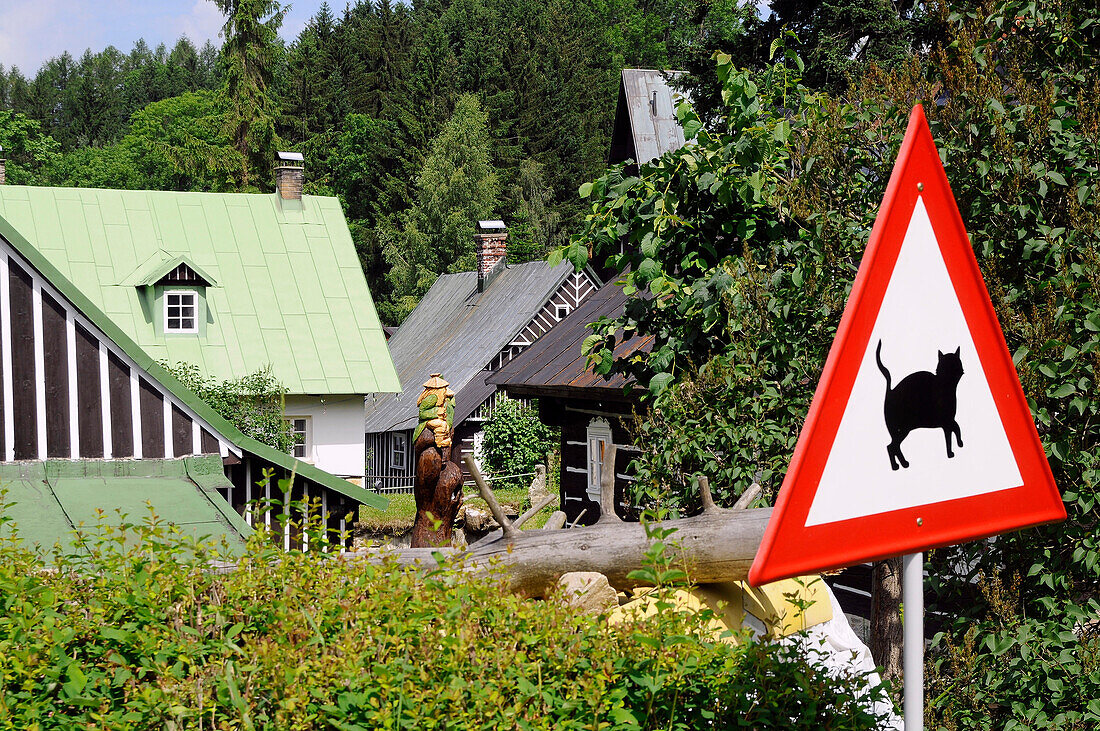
{"x": 438, "y": 482}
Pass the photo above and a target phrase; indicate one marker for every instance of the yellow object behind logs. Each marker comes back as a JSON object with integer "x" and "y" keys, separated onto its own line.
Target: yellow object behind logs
{"x": 773, "y": 610}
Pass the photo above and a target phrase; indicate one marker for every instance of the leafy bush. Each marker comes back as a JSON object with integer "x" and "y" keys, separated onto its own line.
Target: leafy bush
{"x": 515, "y": 441}
{"x": 743, "y": 246}
{"x": 253, "y": 404}
{"x": 136, "y": 631}
{"x": 689, "y": 431}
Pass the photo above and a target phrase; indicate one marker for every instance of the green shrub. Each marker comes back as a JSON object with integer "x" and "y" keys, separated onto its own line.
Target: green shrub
{"x": 136, "y": 631}
{"x": 516, "y": 441}
{"x": 254, "y": 403}
{"x": 723, "y": 421}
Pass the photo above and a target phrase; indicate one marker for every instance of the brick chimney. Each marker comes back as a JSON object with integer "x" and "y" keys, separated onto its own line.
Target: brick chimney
{"x": 3, "y": 173}
{"x": 491, "y": 240}
{"x": 289, "y": 173}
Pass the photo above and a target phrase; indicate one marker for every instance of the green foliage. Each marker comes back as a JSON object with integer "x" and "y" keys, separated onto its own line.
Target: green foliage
{"x": 253, "y": 404}
{"x": 724, "y": 262}
{"x": 728, "y": 422}
{"x": 534, "y": 227}
{"x": 515, "y": 441}
{"x": 180, "y": 144}
{"x": 136, "y": 631}
{"x": 112, "y": 167}
{"x": 26, "y": 148}
{"x": 1009, "y": 671}
{"x": 456, "y": 187}
{"x": 89, "y": 101}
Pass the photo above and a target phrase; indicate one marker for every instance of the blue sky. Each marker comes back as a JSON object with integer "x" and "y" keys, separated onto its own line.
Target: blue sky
{"x": 32, "y": 31}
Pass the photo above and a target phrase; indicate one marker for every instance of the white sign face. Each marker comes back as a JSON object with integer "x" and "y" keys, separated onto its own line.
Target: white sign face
{"x": 891, "y": 448}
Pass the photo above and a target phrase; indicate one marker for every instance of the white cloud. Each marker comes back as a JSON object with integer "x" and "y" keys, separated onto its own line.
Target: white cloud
{"x": 202, "y": 23}
{"x": 31, "y": 32}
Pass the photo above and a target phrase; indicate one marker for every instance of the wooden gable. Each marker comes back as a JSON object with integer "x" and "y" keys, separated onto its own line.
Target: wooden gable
{"x": 183, "y": 275}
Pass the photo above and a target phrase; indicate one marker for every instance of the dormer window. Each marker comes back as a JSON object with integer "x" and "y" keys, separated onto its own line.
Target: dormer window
{"x": 181, "y": 311}
{"x": 172, "y": 291}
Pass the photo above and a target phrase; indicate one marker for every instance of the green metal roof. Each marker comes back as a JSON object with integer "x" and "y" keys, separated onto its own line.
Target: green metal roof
{"x": 48, "y": 500}
{"x": 156, "y": 371}
{"x": 291, "y": 289}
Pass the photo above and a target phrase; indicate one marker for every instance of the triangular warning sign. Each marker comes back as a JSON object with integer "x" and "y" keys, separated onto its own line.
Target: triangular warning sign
{"x": 919, "y": 434}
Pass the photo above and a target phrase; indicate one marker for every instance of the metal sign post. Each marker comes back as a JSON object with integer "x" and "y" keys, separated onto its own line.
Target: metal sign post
{"x": 912, "y": 598}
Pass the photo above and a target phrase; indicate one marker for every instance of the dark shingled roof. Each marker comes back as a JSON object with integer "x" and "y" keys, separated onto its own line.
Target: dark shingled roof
{"x": 554, "y": 364}
{"x": 457, "y": 331}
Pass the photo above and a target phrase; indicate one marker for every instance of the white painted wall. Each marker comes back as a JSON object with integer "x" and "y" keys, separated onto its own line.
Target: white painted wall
{"x": 337, "y": 431}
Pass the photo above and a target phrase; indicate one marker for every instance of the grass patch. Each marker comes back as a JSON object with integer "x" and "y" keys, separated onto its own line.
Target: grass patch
{"x": 399, "y": 516}
{"x": 396, "y": 518}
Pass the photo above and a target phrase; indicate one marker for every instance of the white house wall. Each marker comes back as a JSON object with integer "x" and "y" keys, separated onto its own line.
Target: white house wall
{"x": 336, "y": 431}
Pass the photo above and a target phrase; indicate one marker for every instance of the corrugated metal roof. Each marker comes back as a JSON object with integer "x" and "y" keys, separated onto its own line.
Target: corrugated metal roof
{"x": 292, "y": 292}
{"x": 554, "y": 364}
{"x": 53, "y": 498}
{"x": 649, "y": 103}
{"x": 456, "y": 331}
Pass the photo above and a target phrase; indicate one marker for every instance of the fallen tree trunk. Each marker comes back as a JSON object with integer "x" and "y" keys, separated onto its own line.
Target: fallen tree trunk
{"x": 711, "y": 548}
{"x": 718, "y": 545}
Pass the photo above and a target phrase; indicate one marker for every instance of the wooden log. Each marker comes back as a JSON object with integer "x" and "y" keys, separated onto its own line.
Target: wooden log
{"x": 711, "y": 548}
{"x": 556, "y": 521}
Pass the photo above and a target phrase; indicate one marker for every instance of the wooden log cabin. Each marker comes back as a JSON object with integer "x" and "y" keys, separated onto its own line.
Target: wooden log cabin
{"x": 74, "y": 386}
{"x": 467, "y": 326}
{"x": 592, "y": 412}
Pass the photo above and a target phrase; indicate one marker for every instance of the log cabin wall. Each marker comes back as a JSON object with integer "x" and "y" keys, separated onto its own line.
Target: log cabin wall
{"x": 68, "y": 391}
{"x": 579, "y": 420}
{"x": 385, "y": 473}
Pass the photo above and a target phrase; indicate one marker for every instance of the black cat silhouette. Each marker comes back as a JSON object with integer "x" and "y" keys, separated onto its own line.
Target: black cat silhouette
{"x": 922, "y": 400}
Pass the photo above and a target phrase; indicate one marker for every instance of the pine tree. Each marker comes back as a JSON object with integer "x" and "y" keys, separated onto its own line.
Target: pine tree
{"x": 456, "y": 187}
{"x": 250, "y": 53}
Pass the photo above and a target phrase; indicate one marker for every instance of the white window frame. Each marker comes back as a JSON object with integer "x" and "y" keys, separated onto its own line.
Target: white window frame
{"x": 599, "y": 434}
{"x": 307, "y": 441}
{"x": 194, "y": 306}
{"x": 561, "y": 312}
{"x": 399, "y": 451}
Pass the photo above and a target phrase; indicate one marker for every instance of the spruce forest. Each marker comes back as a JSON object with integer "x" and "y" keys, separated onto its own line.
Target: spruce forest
{"x": 421, "y": 117}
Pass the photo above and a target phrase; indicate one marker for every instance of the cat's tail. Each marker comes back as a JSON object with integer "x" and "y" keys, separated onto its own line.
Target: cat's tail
{"x": 881, "y": 367}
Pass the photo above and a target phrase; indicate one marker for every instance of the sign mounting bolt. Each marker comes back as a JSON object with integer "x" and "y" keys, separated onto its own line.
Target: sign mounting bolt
{"x": 920, "y": 186}
{"x": 920, "y": 522}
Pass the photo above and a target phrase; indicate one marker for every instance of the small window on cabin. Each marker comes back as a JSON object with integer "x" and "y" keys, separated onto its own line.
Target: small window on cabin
{"x": 400, "y": 451}
{"x": 181, "y": 312}
{"x": 599, "y": 437}
{"x": 561, "y": 312}
{"x": 300, "y": 432}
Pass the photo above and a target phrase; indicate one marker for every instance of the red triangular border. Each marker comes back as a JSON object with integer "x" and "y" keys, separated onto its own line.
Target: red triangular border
{"x": 789, "y": 547}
